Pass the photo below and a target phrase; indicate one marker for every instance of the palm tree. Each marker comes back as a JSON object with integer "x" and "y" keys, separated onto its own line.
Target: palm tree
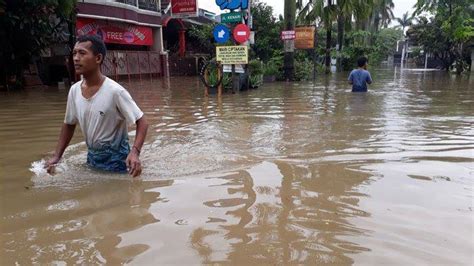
{"x": 405, "y": 21}
{"x": 385, "y": 12}
{"x": 315, "y": 10}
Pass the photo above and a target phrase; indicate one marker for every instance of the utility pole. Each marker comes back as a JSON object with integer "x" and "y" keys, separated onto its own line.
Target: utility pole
{"x": 314, "y": 53}
{"x": 328, "y": 37}
{"x": 289, "y": 22}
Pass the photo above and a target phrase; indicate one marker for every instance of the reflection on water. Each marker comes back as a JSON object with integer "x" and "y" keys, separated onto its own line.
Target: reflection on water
{"x": 290, "y": 173}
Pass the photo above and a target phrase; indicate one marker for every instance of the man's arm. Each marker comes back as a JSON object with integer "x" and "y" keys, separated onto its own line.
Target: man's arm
{"x": 67, "y": 132}
{"x": 350, "y": 79}
{"x": 369, "y": 78}
{"x": 133, "y": 161}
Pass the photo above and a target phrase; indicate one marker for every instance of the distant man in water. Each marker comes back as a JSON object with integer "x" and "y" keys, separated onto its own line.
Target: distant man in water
{"x": 104, "y": 110}
{"x": 360, "y": 77}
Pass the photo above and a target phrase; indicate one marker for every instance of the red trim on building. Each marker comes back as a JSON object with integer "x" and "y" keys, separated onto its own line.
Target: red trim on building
{"x": 167, "y": 19}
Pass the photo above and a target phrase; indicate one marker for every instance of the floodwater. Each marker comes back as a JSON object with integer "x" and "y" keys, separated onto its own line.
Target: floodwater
{"x": 289, "y": 173}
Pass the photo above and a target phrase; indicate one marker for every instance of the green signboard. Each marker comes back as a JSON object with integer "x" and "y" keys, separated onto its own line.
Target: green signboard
{"x": 233, "y": 17}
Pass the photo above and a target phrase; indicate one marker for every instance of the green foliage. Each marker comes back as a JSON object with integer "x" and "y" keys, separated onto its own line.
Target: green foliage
{"x": 271, "y": 69}
{"x": 256, "y": 72}
{"x": 274, "y": 67}
{"x": 385, "y": 45}
{"x": 227, "y": 81}
{"x": 212, "y": 78}
{"x": 202, "y": 34}
{"x": 255, "y": 67}
{"x": 350, "y": 54}
{"x": 256, "y": 80}
{"x": 27, "y": 27}
{"x": 303, "y": 69}
{"x": 267, "y": 31}
{"x": 448, "y": 33}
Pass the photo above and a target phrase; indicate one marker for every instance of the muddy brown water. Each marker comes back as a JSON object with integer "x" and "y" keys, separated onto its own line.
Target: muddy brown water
{"x": 289, "y": 173}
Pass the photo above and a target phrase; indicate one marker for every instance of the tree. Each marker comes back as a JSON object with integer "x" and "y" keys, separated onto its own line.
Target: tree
{"x": 448, "y": 33}
{"x": 404, "y": 21}
{"x": 385, "y": 12}
{"x": 202, "y": 35}
{"x": 27, "y": 27}
{"x": 267, "y": 29}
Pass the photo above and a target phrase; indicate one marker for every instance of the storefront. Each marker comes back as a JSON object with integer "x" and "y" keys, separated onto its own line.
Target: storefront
{"x": 129, "y": 47}
{"x": 133, "y": 36}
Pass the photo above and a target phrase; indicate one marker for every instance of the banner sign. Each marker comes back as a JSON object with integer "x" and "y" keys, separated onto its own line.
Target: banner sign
{"x": 229, "y": 55}
{"x": 115, "y": 32}
{"x": 304, "y": 37}
{"x": 184, "y": 8}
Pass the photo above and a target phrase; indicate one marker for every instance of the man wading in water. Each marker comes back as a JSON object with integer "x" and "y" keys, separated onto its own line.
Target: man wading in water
{"x": 103, "y": 109}
{"x": 360, "y": 77}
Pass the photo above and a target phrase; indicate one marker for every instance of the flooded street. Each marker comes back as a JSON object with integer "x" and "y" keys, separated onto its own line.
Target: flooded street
{"x": 289, "y": 173}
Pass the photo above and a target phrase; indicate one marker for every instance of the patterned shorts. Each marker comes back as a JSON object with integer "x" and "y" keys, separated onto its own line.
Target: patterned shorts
{"x": 109, "y": 159}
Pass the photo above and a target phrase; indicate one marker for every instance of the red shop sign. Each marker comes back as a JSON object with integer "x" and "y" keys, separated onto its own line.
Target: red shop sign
{"x": 115, "y": 32}
{"x": 183, "y": 8}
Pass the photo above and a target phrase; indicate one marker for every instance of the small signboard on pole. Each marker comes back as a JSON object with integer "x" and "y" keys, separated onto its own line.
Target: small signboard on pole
{"x": 304, "y": 37}
{"x": 221, "y": 33}
{"x": 289, "y": 46}
{"x": 238, "y": 69}
{"x": 233, "y": 17}
{"x": 241, "y": 33}
{"x": 287, "y": 35}
{"x": 184, "y": 8}
{"x": 229, "y": 55}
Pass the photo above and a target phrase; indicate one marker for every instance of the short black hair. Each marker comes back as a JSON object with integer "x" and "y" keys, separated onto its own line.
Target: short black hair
{"x": 98, "y": 45}
{"x": 362, "y": 61}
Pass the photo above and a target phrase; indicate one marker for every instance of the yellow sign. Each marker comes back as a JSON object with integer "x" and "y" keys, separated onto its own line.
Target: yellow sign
{"x": 304, "y": 37}
{"x": 232, "y": 55}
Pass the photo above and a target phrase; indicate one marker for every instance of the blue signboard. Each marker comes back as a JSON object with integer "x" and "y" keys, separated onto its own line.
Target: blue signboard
{"x": 232, "y": 4}
{"x": 221, "y": 33}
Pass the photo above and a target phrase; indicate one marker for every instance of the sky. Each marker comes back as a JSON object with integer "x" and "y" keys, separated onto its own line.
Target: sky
{"x": 401, "y": 6}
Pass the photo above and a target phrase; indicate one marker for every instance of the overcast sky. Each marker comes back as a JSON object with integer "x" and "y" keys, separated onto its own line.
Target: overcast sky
{"x": 401, "y": 6}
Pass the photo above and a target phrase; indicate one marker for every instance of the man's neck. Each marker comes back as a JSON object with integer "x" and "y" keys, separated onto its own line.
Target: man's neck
{"x": 93, "y": 79}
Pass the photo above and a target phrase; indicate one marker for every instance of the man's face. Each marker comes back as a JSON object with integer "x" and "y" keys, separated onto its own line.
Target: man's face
{"x": 84, "y": 59}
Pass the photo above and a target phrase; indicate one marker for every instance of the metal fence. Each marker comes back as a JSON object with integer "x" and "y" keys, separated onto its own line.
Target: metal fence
{"x": 136, "y": 63}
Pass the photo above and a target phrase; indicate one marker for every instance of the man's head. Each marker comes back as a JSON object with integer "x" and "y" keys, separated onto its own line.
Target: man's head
{"x": 362, "y": 62}
{"x": 88, "y": 54}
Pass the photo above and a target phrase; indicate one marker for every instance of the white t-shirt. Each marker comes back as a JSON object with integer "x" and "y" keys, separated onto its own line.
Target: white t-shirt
{"x": 104, "y": 117}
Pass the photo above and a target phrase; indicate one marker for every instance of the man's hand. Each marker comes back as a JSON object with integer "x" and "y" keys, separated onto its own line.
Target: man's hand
{"x": 50, "y": 164}
{"x": 133, "y": 163}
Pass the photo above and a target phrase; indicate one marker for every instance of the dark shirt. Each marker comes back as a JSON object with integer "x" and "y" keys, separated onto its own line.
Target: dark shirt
{"x": 360, "y": 78}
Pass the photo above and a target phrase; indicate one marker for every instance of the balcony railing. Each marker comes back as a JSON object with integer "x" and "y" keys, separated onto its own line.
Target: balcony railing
{"x": 151, "y": 5}
{"x": 128, "y": 2}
